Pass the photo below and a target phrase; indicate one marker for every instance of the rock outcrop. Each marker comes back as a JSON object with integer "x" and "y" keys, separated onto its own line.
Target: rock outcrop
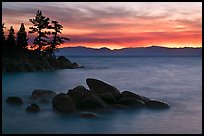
{"x": 27, "y": 60}
{"x": 101, "y": 96}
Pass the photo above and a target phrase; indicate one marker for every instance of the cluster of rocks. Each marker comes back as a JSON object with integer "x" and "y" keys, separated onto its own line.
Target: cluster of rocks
{"x": 22, "y": 61}
{"x": 100, "y": 95}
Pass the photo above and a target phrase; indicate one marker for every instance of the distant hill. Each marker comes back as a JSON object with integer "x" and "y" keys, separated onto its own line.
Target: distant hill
{"x": 142, "y": 51}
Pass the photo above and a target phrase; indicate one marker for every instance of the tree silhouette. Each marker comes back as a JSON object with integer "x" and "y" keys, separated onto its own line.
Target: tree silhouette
{"x": 57, "y": 40}
{"x": 40, "y": 23}
{"x": 22, "y": 40}
{"x": 2, "y": 34}
{"x": 11, "y": 42}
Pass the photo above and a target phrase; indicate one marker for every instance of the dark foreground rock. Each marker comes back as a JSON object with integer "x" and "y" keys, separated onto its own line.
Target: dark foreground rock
{"x": 101, "y": 96}
{"x": 33, "y": 108}
{"x": 14, "y": 100}
{"x": 63, "y": 102}
{"x": 98, "y": 86}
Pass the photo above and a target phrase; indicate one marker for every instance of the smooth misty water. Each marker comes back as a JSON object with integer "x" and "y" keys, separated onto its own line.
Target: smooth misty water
{"x": 176, "y": 80}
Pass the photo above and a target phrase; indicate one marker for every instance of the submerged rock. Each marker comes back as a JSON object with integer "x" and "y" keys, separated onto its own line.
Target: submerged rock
{"x": 100, "y": 87}
{"x": 62, "y": 102}
{"x": 88, "y": 115}
{"x": 33, "y": 108}
{"x": 156, "y": 104}
{"x": 14, "y": 100}
{"x": 39, "y": 93}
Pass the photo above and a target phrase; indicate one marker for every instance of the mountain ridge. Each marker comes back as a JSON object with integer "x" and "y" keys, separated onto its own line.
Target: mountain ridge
{"x": 137, "y": 51}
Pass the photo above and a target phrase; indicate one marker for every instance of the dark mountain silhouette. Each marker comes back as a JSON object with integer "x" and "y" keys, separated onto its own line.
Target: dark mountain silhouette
{"x": 142, "y": 51}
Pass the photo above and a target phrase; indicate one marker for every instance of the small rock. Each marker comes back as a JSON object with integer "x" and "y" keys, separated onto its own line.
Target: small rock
{"x": 14, "y": 100}
{"x": 33, "y": 108}
{"x": 39, "y": 93}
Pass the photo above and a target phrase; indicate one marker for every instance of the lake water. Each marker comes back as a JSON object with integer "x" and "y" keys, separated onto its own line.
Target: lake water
{"x": 175, "y": 80}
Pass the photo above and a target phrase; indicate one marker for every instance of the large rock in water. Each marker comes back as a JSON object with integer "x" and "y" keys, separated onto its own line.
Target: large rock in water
{"x": 14, "y": 100}
{"x": 108, "y": 98}
{"x": 90, "y": 101}
{"x": 63, "y": 102}
{"x": 77, "y": 94}
{"x": 134, "y": 95}
{"x": 156, "y": 104}
{"x": 128, "y": 101}
{"x": 100, "y": 87}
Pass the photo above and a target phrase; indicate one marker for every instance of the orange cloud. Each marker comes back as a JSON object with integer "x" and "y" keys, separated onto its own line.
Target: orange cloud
{"x": 116, "y": 25}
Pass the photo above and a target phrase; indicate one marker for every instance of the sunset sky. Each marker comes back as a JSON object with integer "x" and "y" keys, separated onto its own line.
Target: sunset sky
{"x": 115, "y": 24}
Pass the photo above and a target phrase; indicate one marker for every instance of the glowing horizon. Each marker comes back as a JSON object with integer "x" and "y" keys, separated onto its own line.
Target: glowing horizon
{"x": 115, "y": 25}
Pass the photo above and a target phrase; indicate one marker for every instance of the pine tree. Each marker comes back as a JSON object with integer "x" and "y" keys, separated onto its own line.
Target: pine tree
{"x": 11, "y": 42}
{"x": 40, "y": 23}
{"x": 2, "y": 35}
{"x": 57, "y": 40}
{"x": 22, "y": 40}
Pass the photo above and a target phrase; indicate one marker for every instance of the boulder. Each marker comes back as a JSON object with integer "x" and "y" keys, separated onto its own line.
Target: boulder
{"x": 90, "y": 101}
{"x": 39, "y": 93}
{"x": 134, "y": 95}
{"x": 33, "y": 108}
{"x": 77, "y": 92}
{"x": 100, "y": 87}
{"x": 14, "y": 100}
{"x": 128, "y": 101}
{"x": 64, "y": 62}
{"x": 108, "y": 98}
{"x": 156, "y": 104}
{"x": 63, "y": 102}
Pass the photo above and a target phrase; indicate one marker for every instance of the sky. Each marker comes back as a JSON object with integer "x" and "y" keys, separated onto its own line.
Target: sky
{"x": 115, "y": 24}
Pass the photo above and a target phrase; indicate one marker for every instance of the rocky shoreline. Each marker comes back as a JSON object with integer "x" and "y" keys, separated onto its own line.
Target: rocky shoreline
{"x": 27, "y": 61}
{"x": 99, "y": 96}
